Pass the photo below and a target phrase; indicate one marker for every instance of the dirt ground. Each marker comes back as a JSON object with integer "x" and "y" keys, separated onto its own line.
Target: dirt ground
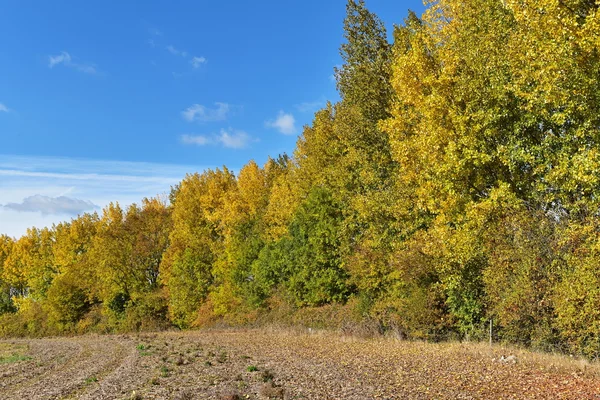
{"x": 263, "y": 364}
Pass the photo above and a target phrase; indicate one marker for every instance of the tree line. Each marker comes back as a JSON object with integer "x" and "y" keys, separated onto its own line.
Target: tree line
{"x": 456, "y": 181}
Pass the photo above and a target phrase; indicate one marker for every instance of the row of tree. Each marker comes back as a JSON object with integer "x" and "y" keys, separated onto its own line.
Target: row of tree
{"x": 456, "y": 181}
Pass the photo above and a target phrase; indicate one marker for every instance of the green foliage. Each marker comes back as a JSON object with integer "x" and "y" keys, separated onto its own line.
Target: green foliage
{"x": 270, "y": 269}
{"x": 315, "y": 273}
{"x": 147, "y": 312}
{"x": 188, "y": 286}
{"x": 6, "y": 303}
{"x": 307, "y": 260}
{"x": 364, "y": 77}
{"x": 117, "y": 304}
{"x": 164, "y": 371}
{"x": 14, "y": 358}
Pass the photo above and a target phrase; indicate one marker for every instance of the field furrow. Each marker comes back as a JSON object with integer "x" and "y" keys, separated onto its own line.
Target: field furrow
{"x": 260, "y": 364}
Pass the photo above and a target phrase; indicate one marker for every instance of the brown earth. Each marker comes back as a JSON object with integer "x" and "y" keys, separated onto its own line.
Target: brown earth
{"x": 262, "y": 364}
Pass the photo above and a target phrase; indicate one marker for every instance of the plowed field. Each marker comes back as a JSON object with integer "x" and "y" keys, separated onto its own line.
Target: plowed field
{"x": 262, "y": 364}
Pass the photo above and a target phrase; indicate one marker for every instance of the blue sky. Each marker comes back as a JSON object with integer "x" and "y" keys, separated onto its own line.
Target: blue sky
{"x": 110, "y": 100}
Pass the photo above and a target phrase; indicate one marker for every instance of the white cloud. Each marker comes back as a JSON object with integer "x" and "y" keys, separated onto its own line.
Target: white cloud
{"x": 3, "y": 108}
{"x": 97, "y": 181}
{"x": 197, "y": 140}
{"x": 284, "y": 123}
{"x": 65, "y": 59}
{"x": 155, "y": 32}
{"x": 310, "y": 106}
{"x": 76, "y": 177}
{"x": 198, "y": 112}
{"x": 198, "y": 61}
{"x": 88, "y": 69}
{"x": 176, "y": 52}
{"x": 232, "y": 139}
{"x": 52, "y": 205}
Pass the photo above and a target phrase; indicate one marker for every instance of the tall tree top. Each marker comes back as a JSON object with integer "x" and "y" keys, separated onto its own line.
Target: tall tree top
{"x": 363, "y": 80}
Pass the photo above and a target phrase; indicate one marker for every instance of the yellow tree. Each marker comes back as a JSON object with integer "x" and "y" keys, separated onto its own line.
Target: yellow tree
{"x": 452, "y": 118}
{"x": 149, "y": 228}
{"x": 284, "y": 198}
{"x": 496, "y": 108}
{"x": 72, "y": 246}
{"x": 110, "y": 253}
{"x": 243, "y": 229}
{"x": 30, "y": 268}
{"x": 75, "y": 287}
{"x": 6, "y": 245}
{"x": 197, "y": 239}
{"x": 128, "y": 249}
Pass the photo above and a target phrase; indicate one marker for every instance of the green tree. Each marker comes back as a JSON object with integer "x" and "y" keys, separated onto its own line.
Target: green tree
{"x": 316, "y": 276}
{"x": 6, "y": 304}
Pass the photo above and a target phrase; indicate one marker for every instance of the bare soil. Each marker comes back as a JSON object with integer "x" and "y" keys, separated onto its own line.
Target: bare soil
{"x": 263, "y": 364}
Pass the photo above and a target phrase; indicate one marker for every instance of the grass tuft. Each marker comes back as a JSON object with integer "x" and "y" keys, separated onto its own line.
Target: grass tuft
{"x": 164, "y": 371}
{"x": 14, "y": 358}
{"x": 267, "y": 376}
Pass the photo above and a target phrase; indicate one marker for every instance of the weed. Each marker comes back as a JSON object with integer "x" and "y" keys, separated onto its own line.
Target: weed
{"x": 14, "y": 358}
{"x": 135, "y": 396}
{"x": 164, "y": 371}
{"x": 222, "y": 357}
{"x": 252, "y": 368}
{"x": 91, "y": 379}
{"x": 267, "y": 376}
{"x": 142, "y": 349}
{"x": 242, "y": 385}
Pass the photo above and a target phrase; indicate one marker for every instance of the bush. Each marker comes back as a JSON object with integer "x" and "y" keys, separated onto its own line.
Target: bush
{"x": 577, "y": 292}
{"x": 146, "y": 312}
{"x": 30, "y": 320}
{"x": 66, "y": 303}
